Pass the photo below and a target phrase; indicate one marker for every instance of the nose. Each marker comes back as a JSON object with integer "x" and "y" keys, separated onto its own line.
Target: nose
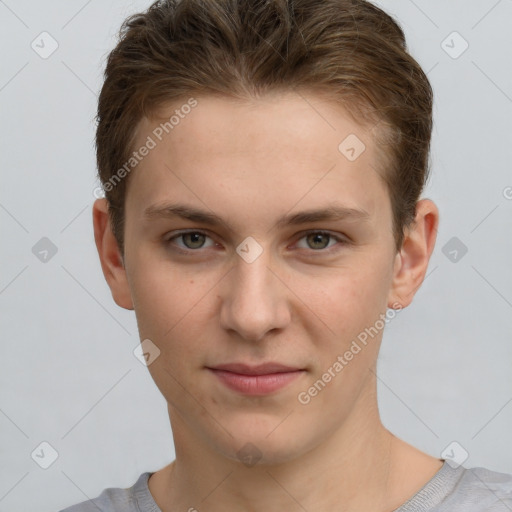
{"x": 254, "y": 299}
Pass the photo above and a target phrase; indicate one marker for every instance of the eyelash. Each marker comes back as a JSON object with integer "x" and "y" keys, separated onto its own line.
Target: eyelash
{"x": 329, "y": 251}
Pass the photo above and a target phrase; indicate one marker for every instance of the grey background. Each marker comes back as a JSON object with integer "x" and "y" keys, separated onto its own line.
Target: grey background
{"x": 68, "y": 375}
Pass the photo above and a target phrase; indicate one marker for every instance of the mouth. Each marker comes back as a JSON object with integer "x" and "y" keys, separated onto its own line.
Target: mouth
{"x": 256, "y": 380}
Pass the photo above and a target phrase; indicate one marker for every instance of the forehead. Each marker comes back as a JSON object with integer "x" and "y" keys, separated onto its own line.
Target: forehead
{"x": 275, "y": 123}
{"x": 282, "y": 149}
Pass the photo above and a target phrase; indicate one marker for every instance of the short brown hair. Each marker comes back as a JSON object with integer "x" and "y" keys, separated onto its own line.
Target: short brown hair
{"x": 350, "y": 50}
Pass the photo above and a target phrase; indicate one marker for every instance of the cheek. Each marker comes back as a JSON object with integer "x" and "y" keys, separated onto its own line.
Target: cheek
{"x": 173, "y": 307}
{"x": 351, "y": 305}
{"x": 171, "y": 311}
{"x": 161, "y": 293}
{"x": 347, "y": 299}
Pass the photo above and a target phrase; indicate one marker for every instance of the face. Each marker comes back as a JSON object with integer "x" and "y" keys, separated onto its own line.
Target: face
{"x": 252, "y": 281}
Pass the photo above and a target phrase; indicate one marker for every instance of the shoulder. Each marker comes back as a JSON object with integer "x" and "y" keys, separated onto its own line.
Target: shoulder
{"x": 113, "y": 499}
{"x": 481, "y": 490}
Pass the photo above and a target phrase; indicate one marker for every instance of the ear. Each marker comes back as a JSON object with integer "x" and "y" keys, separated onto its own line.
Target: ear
{"x": 110, "y": 256}
{"x": 411, "y": 262}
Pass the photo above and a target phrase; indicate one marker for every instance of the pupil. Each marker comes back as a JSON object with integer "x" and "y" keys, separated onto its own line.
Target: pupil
{"x": 317, "y": 238}
{"x": 194, "y": 237}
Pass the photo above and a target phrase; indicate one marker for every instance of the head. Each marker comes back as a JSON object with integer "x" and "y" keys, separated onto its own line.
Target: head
{"x": 255, "y": 113}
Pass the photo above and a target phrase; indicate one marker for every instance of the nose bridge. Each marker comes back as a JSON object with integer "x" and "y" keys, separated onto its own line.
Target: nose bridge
{"x": 254, "y": 277}
{"x": 254, "y": 299}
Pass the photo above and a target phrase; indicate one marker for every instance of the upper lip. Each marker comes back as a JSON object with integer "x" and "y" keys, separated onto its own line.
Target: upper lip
{"x": 261, "y": 369}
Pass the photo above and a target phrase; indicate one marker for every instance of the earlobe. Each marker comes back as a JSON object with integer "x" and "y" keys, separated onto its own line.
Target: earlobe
{"x": 411, "y": 262}
{"x": 110, "y": 255}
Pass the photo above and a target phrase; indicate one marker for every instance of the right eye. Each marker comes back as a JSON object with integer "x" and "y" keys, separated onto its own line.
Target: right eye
{"x": 192, "y": 241}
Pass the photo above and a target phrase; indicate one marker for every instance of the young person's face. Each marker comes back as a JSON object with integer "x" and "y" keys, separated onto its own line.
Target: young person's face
{"x": 301, "y": 303}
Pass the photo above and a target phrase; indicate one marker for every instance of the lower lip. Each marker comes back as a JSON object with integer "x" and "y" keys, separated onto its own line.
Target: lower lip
{"x": 256, "y": 384}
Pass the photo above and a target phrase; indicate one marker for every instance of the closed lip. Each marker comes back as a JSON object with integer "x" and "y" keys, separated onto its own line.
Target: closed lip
{"x": 261, "y": 369}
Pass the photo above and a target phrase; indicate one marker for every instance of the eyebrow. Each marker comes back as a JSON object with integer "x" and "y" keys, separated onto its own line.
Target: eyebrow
{"x": 332, "y": 212}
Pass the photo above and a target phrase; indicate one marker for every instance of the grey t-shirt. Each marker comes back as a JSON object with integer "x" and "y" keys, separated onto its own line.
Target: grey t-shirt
{"x": 451, "y": 489}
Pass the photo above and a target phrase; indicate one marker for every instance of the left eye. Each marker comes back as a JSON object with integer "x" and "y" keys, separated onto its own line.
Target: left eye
{"x": 315, "y": 240}
{"x": 318, "y": 240}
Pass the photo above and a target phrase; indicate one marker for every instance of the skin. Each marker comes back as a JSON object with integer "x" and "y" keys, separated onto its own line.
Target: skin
{"x": 250, "y": 163}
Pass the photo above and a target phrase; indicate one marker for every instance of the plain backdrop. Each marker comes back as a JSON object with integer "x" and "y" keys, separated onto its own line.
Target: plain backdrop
{"x": 68, "y": 375}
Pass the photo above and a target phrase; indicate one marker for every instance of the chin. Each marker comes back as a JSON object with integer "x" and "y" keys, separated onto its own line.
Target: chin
{"x": 263, "y": 446}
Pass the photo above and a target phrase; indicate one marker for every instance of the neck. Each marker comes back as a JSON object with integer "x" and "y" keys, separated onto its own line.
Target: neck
{"x": 357, "y": 467}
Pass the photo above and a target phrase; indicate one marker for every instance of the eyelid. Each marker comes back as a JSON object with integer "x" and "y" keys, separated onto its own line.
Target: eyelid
{"x": 341, "y": 239}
